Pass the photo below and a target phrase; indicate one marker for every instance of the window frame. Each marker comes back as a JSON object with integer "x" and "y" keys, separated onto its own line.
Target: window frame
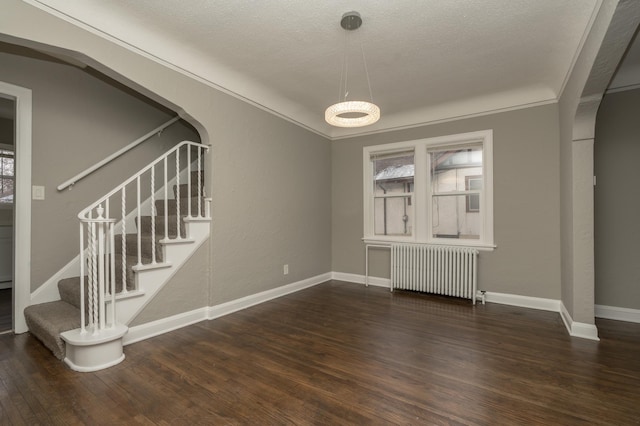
{"x": 422, "y": 193}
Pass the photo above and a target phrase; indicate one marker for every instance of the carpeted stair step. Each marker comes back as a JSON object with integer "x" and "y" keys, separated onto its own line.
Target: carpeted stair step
{"x": 184, "y": 204}
{"x": 47, "y": 320}
{"x": 69, "y": 288}
{"x": 172, "y": 222}
{"x": 132, "y": 247}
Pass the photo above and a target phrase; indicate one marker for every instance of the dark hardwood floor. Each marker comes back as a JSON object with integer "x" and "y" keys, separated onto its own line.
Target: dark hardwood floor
{"x": 341, "y": 353}
{"x": 5, "y": 310}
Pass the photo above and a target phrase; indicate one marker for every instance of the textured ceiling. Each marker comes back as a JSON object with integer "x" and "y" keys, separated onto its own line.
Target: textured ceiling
{"x": 628, "y": 75}
{"x": 427, "y": 60}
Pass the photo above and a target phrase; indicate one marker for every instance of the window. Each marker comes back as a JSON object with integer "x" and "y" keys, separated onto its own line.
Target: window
{"x": 7, "y": 178}
{"x": 392, "y": 194}
{"x": 436, "y": 190}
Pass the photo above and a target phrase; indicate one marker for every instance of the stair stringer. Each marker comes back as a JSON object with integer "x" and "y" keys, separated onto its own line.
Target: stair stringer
{"x": 150, "y": 281}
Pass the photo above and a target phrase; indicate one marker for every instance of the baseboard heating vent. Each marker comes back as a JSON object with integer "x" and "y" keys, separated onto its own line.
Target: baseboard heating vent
{"x": 444, "y": 270}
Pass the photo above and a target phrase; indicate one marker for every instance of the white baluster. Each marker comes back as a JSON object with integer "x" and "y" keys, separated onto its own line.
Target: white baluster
{"x": 200, "y": 182}
{"x": 139, "y": 220}
{"x": 83, "y": 329}
{"x": 189, "y": 180}
{"x": 166, "y": 200}
{"x": 112, "y": 267}
{"x": 107, "y": 250}
{"x": 94, "y": 277}
{"x": 153, "y": 215}
{"x": 178, "y": 193}
{"x": 123, "y": 241}
{"x": 101, "y": 270}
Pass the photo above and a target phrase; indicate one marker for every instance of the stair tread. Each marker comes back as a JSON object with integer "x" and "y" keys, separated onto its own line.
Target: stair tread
{"x": 47, "y": 320}
{"x": 69, "y": 288}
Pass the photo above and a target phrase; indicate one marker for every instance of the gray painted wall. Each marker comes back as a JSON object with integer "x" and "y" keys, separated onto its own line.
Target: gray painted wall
{"x": 187, "y": 290}
{"x": 526, "y": 201}
{"x": 78, "y": 119}
{"x": 617, "y": 229}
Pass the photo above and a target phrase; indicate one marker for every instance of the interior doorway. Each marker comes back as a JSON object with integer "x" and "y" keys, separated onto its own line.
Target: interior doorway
{"x": 7, "y": 185}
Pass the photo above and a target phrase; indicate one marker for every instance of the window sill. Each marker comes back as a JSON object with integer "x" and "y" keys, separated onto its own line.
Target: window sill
{"x": 388, "y": 241}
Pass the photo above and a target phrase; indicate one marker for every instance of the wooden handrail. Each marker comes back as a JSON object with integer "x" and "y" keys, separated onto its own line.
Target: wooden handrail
{"x": 69, "y": 183}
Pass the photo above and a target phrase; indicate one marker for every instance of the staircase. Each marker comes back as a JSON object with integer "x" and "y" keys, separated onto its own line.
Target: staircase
{"x": 127, "y": 254}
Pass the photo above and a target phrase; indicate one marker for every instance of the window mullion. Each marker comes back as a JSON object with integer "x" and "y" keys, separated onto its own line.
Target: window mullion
{"x": 422, "y": 193}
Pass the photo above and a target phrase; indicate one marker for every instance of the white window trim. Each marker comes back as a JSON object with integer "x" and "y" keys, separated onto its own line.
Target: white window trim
{"x": 422, "y": 227}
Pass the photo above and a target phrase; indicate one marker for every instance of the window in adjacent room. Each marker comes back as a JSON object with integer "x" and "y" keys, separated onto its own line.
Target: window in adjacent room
{"x": 436, "y": 190}
{"x": 7, "y": 177}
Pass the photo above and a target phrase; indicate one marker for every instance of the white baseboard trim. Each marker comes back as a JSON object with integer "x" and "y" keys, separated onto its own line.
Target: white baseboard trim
{"x": 6, "y": 284}
{"x": 523, "y": 301}
{"x": 575, "y": 329}
{"x": 255, "y": 299}
{"x": 164, "y": 325}
{"x": 359, "y": 279}
{"x": 155, "y": 328}
{"x": 578, "y": 329}
{"x": 617, "y": 313}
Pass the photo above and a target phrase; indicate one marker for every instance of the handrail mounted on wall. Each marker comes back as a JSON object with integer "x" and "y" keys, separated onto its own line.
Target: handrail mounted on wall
{"x": 69, "y": 183}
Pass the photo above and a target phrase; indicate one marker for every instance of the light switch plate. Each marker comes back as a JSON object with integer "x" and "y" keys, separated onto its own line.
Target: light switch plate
{"x": 37, "y": 192}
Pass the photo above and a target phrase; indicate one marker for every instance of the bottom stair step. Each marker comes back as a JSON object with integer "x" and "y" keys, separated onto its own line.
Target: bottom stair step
{"x": 47, "y": 320}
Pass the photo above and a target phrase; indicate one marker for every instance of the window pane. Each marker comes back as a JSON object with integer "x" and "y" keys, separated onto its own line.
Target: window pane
{"x": 450, "y": 169}
{"x": 473, "y": 183}
{"x": 393, "y": 216}
{"x": 452, "y": 220}
{"x": 393, "y": 174}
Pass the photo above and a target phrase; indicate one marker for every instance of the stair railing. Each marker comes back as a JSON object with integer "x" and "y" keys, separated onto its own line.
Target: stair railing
{"x": 123, "y": 208}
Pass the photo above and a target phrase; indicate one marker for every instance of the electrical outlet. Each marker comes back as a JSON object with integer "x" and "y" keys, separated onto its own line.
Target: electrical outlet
{"x": 285, "y": 269}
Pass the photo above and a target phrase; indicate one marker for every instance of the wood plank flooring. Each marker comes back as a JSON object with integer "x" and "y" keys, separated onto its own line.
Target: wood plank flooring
{"x": 342, "y": 353}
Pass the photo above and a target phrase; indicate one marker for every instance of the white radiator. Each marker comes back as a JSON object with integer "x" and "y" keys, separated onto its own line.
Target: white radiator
{"x": 445, "y": 270}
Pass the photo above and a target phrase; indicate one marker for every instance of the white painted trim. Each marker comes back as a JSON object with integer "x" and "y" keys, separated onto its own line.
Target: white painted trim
{"x": 22, "y": 212}
{"x": 420, "y": 147}
{"x": 359, "y": 279}
{"x": 617, "y": 313}
{"x": 165, "y": 325}
{"x": 575, "y": 329}
{"x": 578, "y": 329}
{"x": 539, "y": 303}
{"x": 450, "y": 119}
{"x": 255, "y": 299}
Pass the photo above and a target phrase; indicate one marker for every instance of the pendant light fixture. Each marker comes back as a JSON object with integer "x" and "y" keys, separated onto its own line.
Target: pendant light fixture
{"x": 352, "y": 113}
